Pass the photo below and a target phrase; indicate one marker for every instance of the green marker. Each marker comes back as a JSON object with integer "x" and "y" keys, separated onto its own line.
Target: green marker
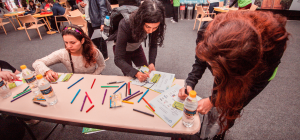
{"x": 21, "y": 93}
{"x": 109, "y": 86}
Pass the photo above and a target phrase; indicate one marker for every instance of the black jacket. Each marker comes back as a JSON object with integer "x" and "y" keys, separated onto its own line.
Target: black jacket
{"x": 97, "y": 12}
{"x": 125, "y": 36}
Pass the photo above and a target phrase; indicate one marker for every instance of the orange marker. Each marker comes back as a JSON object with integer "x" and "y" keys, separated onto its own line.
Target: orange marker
{"x": 88, "y": 97}
{"x": 149, "y": 105}
{"x": 89, "y": 109}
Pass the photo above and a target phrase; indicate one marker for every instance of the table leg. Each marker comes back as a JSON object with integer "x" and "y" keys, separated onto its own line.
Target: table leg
{"x": 21, "y": 27}
{"x": 49, "y": 32}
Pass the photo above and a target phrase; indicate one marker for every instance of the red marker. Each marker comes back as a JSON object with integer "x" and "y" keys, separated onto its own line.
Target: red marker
{"x": 88, "y": 97}
{"x": 89, "y": 109}
{"x": 128, "y": 88}
{"x": 93, "y": 83}
{"x": 149, "y": 104}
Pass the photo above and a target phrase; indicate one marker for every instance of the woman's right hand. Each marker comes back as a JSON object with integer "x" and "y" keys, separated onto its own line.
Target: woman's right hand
{"x": 51, "y": 76}
{"x": 141, "y": 76}
{"x": 182, "y": 94}
{"x": 8, "y": 76}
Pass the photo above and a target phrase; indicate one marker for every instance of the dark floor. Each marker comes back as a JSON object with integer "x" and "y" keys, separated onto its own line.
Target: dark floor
{"x": 273, "y": 114}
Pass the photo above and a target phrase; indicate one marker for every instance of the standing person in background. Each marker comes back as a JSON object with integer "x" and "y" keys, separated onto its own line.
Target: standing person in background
{"x": 243, "y": 4}
{"x": 176, "y": 4}
{"x": 148, "y": 19}
{"x": 213, "y": 3}
{"x": 97, "y": 11}
{"x": 243, "y": 51}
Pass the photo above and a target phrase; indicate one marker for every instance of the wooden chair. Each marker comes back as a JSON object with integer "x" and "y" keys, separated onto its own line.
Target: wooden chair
{"x": 114, "y": 6}
{"x": 65, "y": 16}
{"x": 79, "y": 21}
{"x": 35, "y": 25}
{"x": 253, "y": 7}
{"x": 4, "y": 23}
{"x": 38, "y": 10}
{"x": 204, "y": 16}
{"x": 75, "y": 13}
{"x": 63, "y": 3}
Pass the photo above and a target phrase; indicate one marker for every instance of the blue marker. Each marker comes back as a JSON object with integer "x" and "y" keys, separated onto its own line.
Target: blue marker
{"x": 75, "y": 96}
{"x": 75, "y": 82}
{"x": 143, "y": 95}
{"x": 119, "y": 88}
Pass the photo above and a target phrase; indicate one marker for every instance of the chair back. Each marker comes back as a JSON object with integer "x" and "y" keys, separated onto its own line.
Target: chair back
{"x": 75, "y": 13}
{"x": 77, "y": 20}
{"x": 221, "y": 3}
{"x": 63, "y": 1}
{"x": 20, "y": 9}
{"x": 253, "y": 7}
{"x": 200, "y": 11}
{"x": 27, "y": 19}
{"x": 206, "y": 8}
{"x": 114, "y": 6}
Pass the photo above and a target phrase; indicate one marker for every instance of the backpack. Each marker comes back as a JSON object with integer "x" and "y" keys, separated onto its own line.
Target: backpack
{"x": 117, "y": 14}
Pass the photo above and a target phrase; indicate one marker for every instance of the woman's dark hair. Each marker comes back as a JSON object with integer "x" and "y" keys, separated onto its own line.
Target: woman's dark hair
{"x": 239, "y": 47}
{"x": 88, "y": 49}
{"x": 151, "y": 11}
{"x": 33, "y": 7}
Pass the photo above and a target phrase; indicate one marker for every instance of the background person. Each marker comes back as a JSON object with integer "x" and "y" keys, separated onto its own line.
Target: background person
{"x": 242, "y": 50}
{"x": 78, "y": 56}
{"x": 148, "y": 19}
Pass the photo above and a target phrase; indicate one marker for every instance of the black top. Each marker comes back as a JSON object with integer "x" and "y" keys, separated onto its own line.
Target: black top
{"x": 271, "y": 60}
{"x": 125, "y": 36}
{"x": 4, "y": 66}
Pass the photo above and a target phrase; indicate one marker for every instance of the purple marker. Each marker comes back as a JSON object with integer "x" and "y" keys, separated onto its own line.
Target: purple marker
{"x": 83, "y": 103}
{"x": 131, "y": 95}
{"x": 20, "y": 96}
{"x": 104, "y": 96}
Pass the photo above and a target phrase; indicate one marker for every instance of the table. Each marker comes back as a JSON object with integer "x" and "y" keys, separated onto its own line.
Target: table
{"x": 101, "y": 116}
{"x": 224, "y": 10}
{"x": 16, "y": 15}
{"x": 45, "y": 15}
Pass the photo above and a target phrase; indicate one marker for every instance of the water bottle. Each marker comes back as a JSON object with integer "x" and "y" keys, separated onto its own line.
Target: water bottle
{"x": 4, "y": 90}
{"x": 30, "y": 79}
{"x": 106, "y": 25}
{"x": 190, "y": 108}
{"x": 47, "y": 90}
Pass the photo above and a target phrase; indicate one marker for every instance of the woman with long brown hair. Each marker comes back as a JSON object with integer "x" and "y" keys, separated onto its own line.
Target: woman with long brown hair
{"x": 78, "y": 56}
{"x": 242, "y": 50}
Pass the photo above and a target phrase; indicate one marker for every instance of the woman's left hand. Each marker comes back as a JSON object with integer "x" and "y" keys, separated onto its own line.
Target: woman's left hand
{"x": 204, "y": 105}
{"x": 151, "y": 67}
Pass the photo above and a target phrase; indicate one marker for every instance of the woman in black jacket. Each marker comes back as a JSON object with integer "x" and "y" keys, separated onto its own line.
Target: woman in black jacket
{"x": 148, "y": 19}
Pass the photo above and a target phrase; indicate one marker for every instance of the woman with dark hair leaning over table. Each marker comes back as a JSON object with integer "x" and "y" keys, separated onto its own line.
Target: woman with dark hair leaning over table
{"x": 242, "y": 50}
{"x": 148, "y": 19}
{"x": 78, "y": 56}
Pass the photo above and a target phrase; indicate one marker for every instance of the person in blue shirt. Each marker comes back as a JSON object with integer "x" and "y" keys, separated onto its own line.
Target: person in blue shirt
{"x": 57, "y": 10}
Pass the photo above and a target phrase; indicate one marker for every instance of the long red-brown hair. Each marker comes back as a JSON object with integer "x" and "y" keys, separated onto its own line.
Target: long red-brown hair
{"x": 237, "y": 45}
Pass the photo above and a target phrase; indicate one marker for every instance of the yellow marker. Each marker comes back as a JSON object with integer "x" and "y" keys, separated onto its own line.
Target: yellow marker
{"x": 127, "y": 102}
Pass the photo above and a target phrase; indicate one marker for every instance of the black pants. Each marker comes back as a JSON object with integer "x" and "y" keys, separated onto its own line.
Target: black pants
{"x": 212, "y": 5}
{"x": 175, "y": 13}
{"x": 96, "y": 41}
{"x": 53, "y": 24}
{"x": 72, "y": 3}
